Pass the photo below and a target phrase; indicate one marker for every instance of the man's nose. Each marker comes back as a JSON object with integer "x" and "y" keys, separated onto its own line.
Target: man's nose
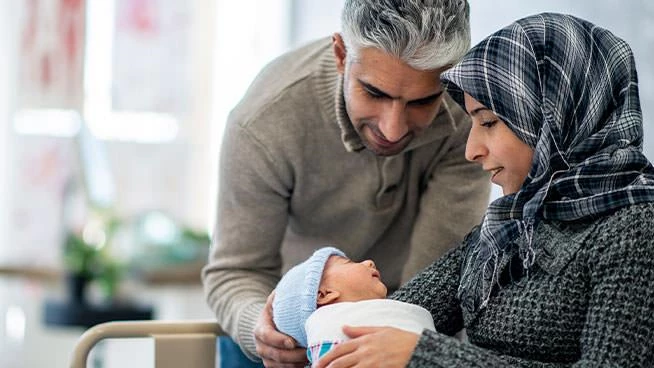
{"x": 393, "y": 124}
{"x": 475, "y": 148}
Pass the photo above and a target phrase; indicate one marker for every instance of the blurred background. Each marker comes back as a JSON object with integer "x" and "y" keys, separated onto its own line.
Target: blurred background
{"x": 111, "y": 117}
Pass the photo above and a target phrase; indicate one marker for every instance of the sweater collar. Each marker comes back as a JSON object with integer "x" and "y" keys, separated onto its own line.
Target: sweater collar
{"x": 329, "y": 86}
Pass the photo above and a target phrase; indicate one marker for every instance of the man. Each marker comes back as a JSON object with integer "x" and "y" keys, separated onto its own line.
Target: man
{"x": 352, "y": 142}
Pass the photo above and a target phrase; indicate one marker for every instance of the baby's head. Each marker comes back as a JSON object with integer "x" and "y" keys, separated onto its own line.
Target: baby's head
{"x": 327, "y": 277}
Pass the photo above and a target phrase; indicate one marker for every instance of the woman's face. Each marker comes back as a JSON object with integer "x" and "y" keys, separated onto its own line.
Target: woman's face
{"x": 493, "y": 145}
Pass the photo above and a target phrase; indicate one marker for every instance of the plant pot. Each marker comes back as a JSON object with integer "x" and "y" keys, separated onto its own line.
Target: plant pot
{"x": 76, "y": 284}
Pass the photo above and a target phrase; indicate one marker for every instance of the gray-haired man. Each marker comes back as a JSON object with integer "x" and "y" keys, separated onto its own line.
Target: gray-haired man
{"x": 350, "y": 142}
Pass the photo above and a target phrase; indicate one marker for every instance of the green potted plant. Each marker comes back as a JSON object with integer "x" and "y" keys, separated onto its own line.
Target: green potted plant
{"x": 88, "y": 259}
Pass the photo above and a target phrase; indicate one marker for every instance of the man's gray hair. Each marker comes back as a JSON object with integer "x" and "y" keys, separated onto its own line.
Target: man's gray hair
{"x": 425, "y": 34}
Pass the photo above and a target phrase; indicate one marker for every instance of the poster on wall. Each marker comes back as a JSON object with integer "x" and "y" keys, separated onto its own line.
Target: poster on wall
{"x": 51, "y": 54}
{"x": 151, "y": 63}
{"x": 43, "y": 178}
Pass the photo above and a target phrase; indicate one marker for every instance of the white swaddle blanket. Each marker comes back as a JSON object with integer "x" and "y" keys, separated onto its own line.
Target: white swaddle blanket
{"x": 324, "y": 327}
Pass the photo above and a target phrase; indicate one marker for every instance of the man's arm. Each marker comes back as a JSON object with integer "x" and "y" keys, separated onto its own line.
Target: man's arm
{"x": 453, "y": 201}
{"x": 245, "y": 261}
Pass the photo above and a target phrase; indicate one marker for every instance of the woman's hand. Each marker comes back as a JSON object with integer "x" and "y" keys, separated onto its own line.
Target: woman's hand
{"x": 371, "y": 347}
{"x": 275, "y": 348}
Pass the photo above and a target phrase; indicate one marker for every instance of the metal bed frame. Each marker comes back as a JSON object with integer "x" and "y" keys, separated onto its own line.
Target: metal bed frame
{"x": 176, "y": 343}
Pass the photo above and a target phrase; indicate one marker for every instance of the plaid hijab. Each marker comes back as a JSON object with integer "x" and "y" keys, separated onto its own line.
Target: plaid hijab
{"x": 569, "y": 90}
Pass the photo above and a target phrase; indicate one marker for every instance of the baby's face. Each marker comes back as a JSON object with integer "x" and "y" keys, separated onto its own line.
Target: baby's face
{"x": 353, "y": 281}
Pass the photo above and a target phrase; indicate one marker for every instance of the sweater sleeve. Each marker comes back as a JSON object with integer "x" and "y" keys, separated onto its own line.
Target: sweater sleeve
{"x": 435, "y": 289}
{"x": 454, "y": 198}
{"x": 618, "y": 329}
{"x": 437, "y": 350}
{"x": 245, "y": 262}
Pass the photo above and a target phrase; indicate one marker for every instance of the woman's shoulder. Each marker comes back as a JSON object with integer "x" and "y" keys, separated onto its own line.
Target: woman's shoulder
{"x": 626, "y": 234}
{"x": 637, "y": 217}
{"x": 628, "y": 225}
{"x": 628, "y": 228}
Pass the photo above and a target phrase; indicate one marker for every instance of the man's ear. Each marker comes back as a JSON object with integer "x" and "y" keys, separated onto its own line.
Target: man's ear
{"x": 339, "y": 52}
{"x": 327, "y": 296}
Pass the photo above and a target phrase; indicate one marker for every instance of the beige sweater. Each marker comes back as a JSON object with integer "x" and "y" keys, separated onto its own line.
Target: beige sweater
{"x": 294, "y": 176}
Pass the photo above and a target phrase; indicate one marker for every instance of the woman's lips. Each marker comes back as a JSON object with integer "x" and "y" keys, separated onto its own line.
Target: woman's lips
{"x": 494, "y": 172}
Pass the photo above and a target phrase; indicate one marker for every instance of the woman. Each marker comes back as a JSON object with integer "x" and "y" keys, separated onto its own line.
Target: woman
{"x": 561, "y": 270}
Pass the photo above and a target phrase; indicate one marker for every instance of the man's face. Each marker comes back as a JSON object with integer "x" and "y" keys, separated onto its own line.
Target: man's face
{"x": 388, "y": 102}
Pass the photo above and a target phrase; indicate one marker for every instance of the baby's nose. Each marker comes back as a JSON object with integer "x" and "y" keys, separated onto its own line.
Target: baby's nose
{"x": 369, "y": 263}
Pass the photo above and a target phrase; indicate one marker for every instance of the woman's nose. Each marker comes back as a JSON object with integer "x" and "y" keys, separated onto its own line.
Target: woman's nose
{"x": 475, "y": 148}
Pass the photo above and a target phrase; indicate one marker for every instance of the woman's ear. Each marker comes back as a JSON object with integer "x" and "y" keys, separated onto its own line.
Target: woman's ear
{"x": 327, "y": 296}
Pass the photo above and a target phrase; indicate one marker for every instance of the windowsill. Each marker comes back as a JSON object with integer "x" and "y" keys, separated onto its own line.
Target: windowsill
{"x": 187, "y": 274}
{"x": 30, "y": 272}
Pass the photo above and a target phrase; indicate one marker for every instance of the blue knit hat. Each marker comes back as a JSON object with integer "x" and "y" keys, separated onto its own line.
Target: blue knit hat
{"x": 296, "y": 294}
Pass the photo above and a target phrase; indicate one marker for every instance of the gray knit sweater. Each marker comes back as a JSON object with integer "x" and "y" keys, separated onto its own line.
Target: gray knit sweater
{"x": 588, "y": 301}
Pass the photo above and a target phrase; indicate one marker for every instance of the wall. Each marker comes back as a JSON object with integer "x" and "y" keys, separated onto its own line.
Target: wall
{"x": 175, "y": 176}
{"x": 4, "y": 117}
{"x": 7, "y": 73}
{"x": 312, "y": 19}
{"x": 199, "y": 168}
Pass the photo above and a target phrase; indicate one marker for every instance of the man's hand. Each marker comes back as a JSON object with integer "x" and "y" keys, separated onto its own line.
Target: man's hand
{"x": 371, "y": 347}
{"x": 275, "y": 348}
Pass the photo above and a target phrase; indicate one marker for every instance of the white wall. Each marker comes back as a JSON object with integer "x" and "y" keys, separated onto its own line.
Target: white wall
{"x": 198, "y": 133}
{"x": 7, "y": 77}
{"x": 4, "y": 118}
{"x": 311, "y": 19}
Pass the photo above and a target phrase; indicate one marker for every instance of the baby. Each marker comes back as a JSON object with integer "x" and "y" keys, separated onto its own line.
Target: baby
{"x": 315, "y": 299}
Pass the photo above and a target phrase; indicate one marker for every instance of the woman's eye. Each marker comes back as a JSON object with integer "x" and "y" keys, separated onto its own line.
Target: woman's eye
{"x": 488, "y": 124}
